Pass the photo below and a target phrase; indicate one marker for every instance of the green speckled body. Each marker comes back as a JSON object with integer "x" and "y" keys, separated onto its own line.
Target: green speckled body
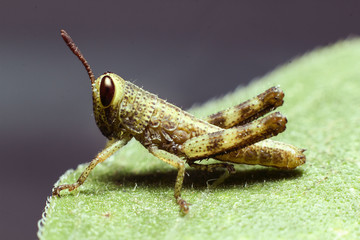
{"x": 123, "y": 111}
{"x": 154, "y": 122}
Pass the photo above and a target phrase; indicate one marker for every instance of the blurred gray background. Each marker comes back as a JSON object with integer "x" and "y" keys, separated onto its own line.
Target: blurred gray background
{"x": 184, "y": 51}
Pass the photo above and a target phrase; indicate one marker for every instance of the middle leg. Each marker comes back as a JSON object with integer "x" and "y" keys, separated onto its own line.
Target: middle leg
{"x": 177, "y": 162}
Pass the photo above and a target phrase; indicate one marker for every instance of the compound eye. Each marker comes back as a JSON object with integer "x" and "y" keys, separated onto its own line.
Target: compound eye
{"x": 107, "y": 90}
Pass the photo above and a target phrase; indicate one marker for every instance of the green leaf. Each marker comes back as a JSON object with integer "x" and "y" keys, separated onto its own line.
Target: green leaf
{"x": 130, "y": 195}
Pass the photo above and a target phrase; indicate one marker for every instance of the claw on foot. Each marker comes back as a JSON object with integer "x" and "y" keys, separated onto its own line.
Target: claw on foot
{"x": 58, "y": 189}
{"x": 56, "y": 192}
{"x": 184, "y": 206}
{"x": 230, "y": 168}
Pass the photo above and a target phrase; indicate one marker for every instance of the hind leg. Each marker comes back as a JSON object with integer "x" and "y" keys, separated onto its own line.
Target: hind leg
{"x": 210, "y": 167}
{"x": 267, "y": 153}
{"x": 248, "y": 110}
{"x": 220, "y": 142}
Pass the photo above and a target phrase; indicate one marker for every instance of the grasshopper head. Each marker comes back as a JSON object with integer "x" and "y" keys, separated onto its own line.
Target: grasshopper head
{"x": 107, "y": 94}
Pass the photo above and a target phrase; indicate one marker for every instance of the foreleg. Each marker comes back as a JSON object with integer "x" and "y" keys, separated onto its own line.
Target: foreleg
{"x": 102, "y": 156}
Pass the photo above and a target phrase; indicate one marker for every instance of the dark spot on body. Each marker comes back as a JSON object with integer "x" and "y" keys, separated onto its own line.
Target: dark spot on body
{"x": 276, "y": 158}
{"x": 265, "y": 157}
{"x": 218, "y": 119}
{"x": 250, "y": 155}
{"x": 245, "y": 110}
{"x": 215, "y": 143}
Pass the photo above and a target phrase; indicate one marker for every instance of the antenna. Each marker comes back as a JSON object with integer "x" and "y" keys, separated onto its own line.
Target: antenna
{"x": 71, "y": 44}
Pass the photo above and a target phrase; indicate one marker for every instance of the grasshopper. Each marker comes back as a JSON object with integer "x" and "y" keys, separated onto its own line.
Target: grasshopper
{"x": 124, "y": 111}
